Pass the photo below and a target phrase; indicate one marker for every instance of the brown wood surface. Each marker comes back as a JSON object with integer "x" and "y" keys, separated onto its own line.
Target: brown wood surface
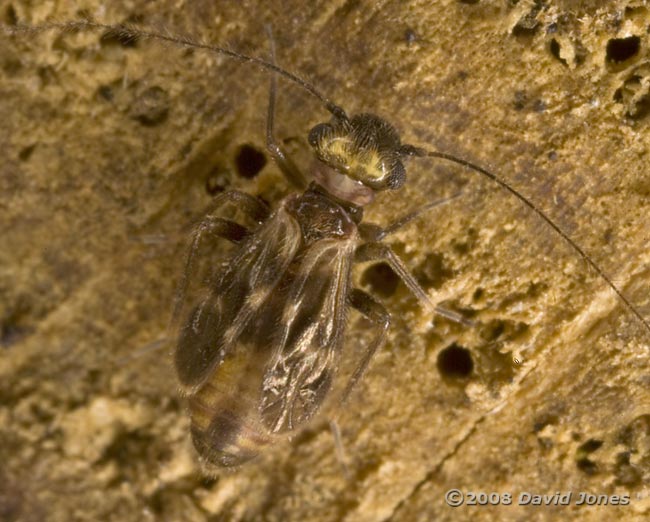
{"x": 106, "y": 150}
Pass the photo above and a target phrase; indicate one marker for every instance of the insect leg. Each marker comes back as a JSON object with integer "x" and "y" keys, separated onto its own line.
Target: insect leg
{"x": 375, "y": 251}
{"x": 372, "y": 232}
{"x": 282, "y": 160}
{"x": 210, "y": 228}
{"x": 340, "y": 449}
{"x": 374, "y": 311}
{"x": 250, "y": 205}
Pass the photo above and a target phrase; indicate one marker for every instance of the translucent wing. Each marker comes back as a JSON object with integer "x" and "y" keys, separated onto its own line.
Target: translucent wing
{"x": 308, "y": 341}
{"x": 213, "y": 326}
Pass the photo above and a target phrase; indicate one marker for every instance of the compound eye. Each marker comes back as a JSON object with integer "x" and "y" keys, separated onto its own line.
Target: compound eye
{"x": 397, "y": 176}
{"x": 318, "y": 133}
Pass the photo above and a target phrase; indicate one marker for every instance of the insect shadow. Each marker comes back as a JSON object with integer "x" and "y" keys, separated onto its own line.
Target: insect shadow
{"x": 260, "y": 337}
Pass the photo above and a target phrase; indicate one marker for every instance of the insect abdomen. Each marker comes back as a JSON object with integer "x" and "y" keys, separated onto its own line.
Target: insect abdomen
{"x": 226, "y": 427}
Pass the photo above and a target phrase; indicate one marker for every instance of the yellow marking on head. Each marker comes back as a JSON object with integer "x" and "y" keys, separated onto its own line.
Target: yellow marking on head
{"x": 371, "y": 165}
{"x": 363, "y": 165}
{"x": 339, "y": 147}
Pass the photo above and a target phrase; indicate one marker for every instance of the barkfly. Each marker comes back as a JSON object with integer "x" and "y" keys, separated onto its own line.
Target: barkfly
{"x": 260, "y": 337}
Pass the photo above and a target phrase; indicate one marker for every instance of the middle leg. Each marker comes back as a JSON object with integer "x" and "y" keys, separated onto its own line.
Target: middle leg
{"x": 375, "y": 251}
{"x": 372, "y": 232}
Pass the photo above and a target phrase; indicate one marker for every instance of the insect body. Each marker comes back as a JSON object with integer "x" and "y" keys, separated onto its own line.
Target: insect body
{"x": 261, "y": 349}
{"x": 260, "y": 337}
{"x": 259, "y": 354}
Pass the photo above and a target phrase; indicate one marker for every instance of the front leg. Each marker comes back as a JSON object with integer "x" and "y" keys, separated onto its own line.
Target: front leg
{"x": 290, "y": 170}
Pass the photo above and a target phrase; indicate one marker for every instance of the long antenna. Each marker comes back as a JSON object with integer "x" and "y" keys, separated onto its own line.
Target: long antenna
{"x": 415, "y": 151}
{"x": 130, "y": 32}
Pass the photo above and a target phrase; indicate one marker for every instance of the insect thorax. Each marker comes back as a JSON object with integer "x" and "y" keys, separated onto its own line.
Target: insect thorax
{"x": 321, "y": 216}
